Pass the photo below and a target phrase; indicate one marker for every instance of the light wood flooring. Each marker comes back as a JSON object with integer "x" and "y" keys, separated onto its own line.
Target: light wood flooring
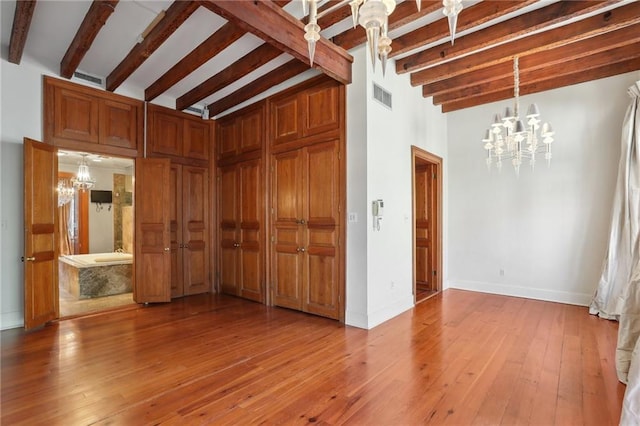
{"x": 458, "y": 358}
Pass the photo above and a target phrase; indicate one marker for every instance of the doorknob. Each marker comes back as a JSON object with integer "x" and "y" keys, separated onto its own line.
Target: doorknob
{"x": 167, "y": 249}
{"x": 300, "y": 249}
{"x": 236, "y": 244}
{"x": 301, "y": 221}
{"x": 28, "y": 259}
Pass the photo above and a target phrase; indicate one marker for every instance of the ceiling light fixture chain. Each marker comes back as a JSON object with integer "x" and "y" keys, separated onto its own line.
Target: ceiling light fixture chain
{"x": 509, "y": 138}
{"x": 373, "y": 16}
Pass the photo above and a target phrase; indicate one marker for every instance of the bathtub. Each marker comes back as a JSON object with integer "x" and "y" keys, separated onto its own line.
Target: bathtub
{"x": 95, "y": 275}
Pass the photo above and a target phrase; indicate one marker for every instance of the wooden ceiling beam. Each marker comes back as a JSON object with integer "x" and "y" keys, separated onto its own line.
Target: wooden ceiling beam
{"x": 589, "y": 27}
{"x": 553, "y": 82}
{"x": 175, "y": 15}
{"x": 405, "y": 13}
{"x": 277, "y": 76}
{"x": 20, "y": 30}
{"x": 209, "y": 48}
{"x": 470, "y": 17}
{"x": 511, "y": 29}
{"x": 622, "y": 37}
{"x": 529, "y": 76}
{"x": 249, "y": 62}
{"x": 94, "y": 20}
{"x": 269, "y": 22}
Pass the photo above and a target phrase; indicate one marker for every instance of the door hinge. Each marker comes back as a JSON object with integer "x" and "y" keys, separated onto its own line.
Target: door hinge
{"x": 435, "y": 273}
{"x": 434, "y": 176}
{"x": 273, "y": 239}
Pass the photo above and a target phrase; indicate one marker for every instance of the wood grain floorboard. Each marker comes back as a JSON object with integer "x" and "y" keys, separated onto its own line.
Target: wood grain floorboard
{"x": 458, "y": 358}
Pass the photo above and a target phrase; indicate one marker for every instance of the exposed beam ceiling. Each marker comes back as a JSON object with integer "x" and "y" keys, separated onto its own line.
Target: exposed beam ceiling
{"x": 554, "y": 39}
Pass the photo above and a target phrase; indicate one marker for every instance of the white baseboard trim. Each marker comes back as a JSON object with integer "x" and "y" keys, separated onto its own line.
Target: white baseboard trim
{"x": 356, "y": 319}
{"x": 11, "y": 320}
{"x": 580, "y": 299}
{"x": 388, "y": 312}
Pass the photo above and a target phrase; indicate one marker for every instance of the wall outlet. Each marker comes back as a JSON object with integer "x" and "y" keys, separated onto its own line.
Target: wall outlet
{"x": 502, "y": 272}
{"x": 353, "y": 217}
{"x": 392, "y": 285}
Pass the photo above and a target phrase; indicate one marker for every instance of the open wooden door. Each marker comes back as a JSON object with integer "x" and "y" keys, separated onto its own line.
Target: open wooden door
{"x": 40, "y": 242}
{"x": 152, "y": 233}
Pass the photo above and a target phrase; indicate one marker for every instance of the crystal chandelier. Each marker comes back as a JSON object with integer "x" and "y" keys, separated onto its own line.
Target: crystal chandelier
{"x": 65, "y": 191}
{"x": 83, "y": 180}
{"x": 373, "y": 16}
{"x": 509, "y": 138}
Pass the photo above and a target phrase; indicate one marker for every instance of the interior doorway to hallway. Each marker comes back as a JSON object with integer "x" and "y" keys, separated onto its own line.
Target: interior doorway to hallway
{"x": 427, "y": 223}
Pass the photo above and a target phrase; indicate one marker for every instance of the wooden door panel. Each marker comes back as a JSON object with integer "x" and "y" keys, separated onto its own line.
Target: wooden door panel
{"x": 75, "y": 116}
{"x": 251, "y": 128}
{"x": 322, "y": 180}
{"x": 321, "y": 110}
{"x": 152, "y": 205}
{"x": 285, "y": 120}
{"x": 287, "y": 213}
{"x": 228, "y": 136}
{"x": 40, "y": 221}
{"x": 167, "y": 133}
{"x": 251, "y": 211}
{"x": 196, "y": 139}
{"x": 287, "y": 273}
{"x": 287, "y": 202}
{"x": 228, "y": 234}
{"x": 118, "y": 124}
{"x": 175, "y": 184}
{"x": 422, "y": 237}
{"x": 195, "y": 214}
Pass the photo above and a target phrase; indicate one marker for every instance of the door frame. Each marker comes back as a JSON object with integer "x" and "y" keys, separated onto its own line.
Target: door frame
{"x": 436, "y": 161}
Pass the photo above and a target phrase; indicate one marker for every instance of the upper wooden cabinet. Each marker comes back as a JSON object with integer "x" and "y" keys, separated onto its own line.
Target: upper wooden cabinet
{"x": 242, "y": 132}
{"x": 305, "y": 113}
{"x": 176, "y": 134}
{"x": 76, "y": 115}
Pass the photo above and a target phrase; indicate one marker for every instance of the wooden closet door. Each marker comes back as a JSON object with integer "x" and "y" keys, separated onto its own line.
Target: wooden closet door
{"x": 251, "y": 234}
{"x": 175, "y": 183}
{"x": 287, "y": 204}
{"x": 228, "y": 216}
{"x": 195, "y": 229}
{"x": 152, "y": 257}
{"x": 322, "y": 208}
{"x": 424, "y": 268}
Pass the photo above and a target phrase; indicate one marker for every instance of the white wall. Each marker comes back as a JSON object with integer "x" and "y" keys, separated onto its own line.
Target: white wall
{"x": 379, "y": 140}
{"x": 548, "y": 229}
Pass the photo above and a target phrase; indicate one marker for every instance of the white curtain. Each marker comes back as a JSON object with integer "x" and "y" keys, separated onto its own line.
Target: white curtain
{"x": 618, "y": 292}
{"x": 623, "y": 251}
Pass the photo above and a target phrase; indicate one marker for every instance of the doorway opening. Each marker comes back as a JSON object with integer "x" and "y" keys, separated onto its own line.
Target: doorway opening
{"x": 427, "y": 223}
{"x": 95, "y": 262}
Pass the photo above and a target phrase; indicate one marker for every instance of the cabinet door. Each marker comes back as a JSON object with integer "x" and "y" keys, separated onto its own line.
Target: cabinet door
{"x": 166, "y": 134}
{"x": 288, "y": 212}
{"x": 228, "y": 217}
{"x": 321, "y": 280}
{"x": 75, "y": 116}
{"x": 228, "y": 135}
{"x": 251, "y": 213}
{"x": 195, "y": 229}
{"x": 196, "y": 139}
{"x": 321, "y": 110}
{"x": 175, "y": 183}
{"x": 251, "y": 128}
{"x": 118, "y": 124}
{"x": 285, "y": 120}
{"x": 152, "y": 257}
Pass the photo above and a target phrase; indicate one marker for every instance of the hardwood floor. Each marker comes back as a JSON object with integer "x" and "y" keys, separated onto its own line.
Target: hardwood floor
{"x": 457, "y": 358}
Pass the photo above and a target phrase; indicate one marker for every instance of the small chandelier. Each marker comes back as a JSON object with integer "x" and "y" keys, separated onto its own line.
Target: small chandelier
{"x": 509, "y": 138}
{"x": 373, "y": 16}
{"x": 66, "y": 192}
{"x": 83, "y": 180}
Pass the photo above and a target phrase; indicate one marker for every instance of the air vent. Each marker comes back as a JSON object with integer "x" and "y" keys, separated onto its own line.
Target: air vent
{"x": 96, "y": 81}
{"x": 194, "y": 109}
{"x": 382, "y": 96}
